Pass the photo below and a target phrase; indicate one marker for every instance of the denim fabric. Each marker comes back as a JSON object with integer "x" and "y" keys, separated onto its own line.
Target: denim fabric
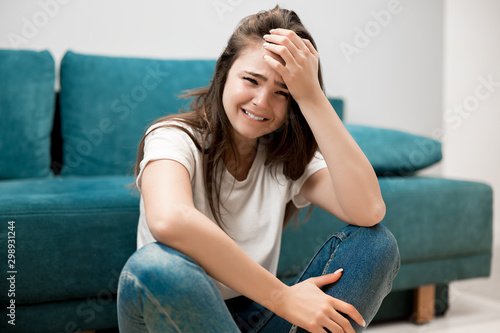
{"x": 162, "y": 290}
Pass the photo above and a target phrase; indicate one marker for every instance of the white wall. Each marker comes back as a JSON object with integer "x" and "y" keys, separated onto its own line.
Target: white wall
{"x": 471, "y": 145}
{"x": 394, "y": 79}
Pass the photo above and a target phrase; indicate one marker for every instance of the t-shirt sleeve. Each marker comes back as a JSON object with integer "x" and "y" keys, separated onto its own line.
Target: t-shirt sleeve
{"x": 317, "y": 163}
{"x": 168, "y": 143}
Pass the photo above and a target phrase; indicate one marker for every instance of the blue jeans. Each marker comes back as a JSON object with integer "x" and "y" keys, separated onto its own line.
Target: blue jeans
{"x": 163, "y": 290}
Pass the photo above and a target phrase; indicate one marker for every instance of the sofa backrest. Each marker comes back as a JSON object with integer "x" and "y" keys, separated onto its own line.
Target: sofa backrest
{"x": 26, "y": 112}
{"x": 108, "y": 102}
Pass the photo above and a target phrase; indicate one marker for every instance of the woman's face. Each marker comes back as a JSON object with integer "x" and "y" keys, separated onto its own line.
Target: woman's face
{"x": 255, "y": 97}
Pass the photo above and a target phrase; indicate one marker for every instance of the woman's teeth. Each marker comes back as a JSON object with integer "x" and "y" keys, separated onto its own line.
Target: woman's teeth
{"x": 252, "y": 115}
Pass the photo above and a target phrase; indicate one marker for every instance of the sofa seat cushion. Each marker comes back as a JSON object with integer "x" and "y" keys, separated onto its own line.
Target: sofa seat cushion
{"x": 395, "y": 153}
{"x": 455, "y": 216}
{"x": 448, "y": 222}
{"x": 27, "y": 111}
{"x": 73, "y": 235}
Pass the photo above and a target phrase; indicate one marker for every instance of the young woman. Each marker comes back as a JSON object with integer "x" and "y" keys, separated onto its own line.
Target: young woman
{"x": 218, "y": 182}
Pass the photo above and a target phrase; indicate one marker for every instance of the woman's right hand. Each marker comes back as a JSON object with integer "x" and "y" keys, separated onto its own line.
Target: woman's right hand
{"x": 308, "y": 307}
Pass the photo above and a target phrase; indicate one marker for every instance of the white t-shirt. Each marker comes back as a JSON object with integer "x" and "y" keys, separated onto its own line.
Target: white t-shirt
{"x": 253, "y": 209}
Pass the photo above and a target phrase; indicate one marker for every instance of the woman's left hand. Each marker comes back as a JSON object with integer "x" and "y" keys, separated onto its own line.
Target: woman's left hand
{"x": 301, "y": 62}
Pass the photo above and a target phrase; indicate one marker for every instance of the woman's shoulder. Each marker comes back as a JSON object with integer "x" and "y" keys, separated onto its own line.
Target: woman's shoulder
{"x": 174, "y": 129}
{"x": 175, "y": 124}
{"x": 172, "y": 124}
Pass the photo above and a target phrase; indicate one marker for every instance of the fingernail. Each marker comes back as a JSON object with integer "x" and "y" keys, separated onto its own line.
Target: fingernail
{"x": 272, "y": 30}
{"x": 364, "y": 323}
{"x": 340, "y": 270}
{"x": 266, "y": 44}
{"x": 266, "y": 36}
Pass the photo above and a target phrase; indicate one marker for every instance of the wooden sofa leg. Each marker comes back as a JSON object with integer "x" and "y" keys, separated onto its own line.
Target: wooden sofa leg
{"x": 423, "y": 304}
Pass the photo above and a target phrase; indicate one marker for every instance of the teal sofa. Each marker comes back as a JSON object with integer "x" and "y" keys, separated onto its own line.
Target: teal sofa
{"x": 68, "y": 216}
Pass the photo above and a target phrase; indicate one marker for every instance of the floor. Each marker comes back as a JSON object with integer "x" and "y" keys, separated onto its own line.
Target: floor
{"x": 474, "y": 307}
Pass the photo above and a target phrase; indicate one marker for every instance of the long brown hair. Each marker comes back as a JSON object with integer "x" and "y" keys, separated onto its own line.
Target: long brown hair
{"x": 291, "y": 147}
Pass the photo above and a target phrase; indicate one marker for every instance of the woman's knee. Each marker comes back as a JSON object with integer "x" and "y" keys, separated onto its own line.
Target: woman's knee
{"x": 156, "y": 266}
{"x": 383, "y": 247}
{"x": 384, "y": 239}
{"x": 376, "y": 244}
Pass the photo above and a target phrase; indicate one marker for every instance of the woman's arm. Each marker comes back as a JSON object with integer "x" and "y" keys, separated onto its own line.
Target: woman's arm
{"x": 174, "y": 221}
{"x": 350, "y": 188}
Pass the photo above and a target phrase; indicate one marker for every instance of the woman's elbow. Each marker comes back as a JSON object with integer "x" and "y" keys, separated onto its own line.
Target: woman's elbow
{"x": 378, "y": 213}
{"x": 372, "y": 216}
{"x": 162, "y": 230}
{"x": 166, "y": 228}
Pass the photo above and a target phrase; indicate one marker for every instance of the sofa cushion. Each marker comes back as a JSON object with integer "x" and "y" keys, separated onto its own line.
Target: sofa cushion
{"x": 97, "y": 314}
{"x": 27, "y": 111}
{"x": 73, "y": 235}
{"x": 393, "y": 152}
{"x": 108, "y": 102}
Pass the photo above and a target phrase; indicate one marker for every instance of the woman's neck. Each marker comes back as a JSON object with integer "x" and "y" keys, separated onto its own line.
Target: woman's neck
{"x": 239, "y": 161}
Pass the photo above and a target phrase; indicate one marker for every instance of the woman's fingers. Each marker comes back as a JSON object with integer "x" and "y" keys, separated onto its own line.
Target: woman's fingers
{"x": 339, "y": 305}
{"x": 283, "y": 47}
{"x": 349, "y": 310}
{"x": 289, "y": 46}
{"x": 288, "y": 38}
{"x": 323, "y": 280}
{"x": 282, "y": 51}
{"x": 334, "y": 322}
{"x": 299, "y": 68}
{"x": 277, "y": 66}
{"x": 307, "y": 306}
{"x": 310, "y": 46}
{"x": 339, "y": 323}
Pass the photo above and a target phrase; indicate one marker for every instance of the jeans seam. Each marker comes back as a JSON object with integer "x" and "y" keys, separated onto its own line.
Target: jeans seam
{"x": 328, "y": 262}
{"x": 150, "y": 296}
{"x": 340, "y": 236}
{"x": 336, "y": 235}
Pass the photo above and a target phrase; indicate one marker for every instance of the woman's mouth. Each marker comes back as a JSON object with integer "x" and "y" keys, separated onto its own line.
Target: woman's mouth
{"x": 251, "y": 115}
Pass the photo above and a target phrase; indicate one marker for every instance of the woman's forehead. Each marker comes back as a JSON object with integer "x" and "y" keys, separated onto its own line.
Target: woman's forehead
{"x": 252, "y": 59}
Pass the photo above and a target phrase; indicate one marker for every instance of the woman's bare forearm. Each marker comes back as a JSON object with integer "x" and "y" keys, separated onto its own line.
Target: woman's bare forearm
{"x": 174, "y": 221}
{"x": 199, "y": 238}
{"x": 352, "y": 174}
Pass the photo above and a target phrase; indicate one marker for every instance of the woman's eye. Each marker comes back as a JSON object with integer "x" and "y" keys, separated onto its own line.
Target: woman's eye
{"x": 249, "y": 79}
{"x": 282, "y": 93}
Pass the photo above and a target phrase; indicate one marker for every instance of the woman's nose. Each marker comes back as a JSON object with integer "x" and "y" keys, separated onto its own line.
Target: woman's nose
{"x": 261, "y": 98}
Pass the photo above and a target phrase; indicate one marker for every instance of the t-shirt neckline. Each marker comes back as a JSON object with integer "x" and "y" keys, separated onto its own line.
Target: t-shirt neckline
{"x": 256, "y": 161}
